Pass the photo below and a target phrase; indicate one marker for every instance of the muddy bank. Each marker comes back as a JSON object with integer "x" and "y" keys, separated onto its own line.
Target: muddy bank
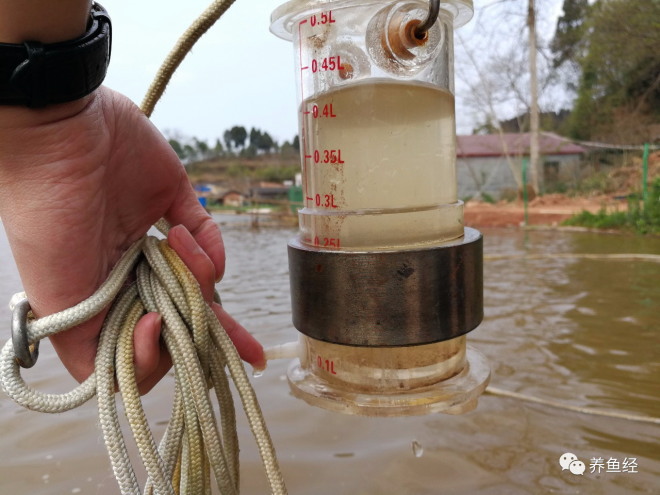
{"x": 551, "y": 209}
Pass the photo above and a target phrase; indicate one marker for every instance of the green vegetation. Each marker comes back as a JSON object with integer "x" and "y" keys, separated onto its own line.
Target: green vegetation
{"x": 268, "y": 173}
{"x": 252, "y": 156}
{"x": 613, "y": 47}
{"x": 487, "y": 198}
{"x": 640, "y": 218}
{"x": 238, "y": 143}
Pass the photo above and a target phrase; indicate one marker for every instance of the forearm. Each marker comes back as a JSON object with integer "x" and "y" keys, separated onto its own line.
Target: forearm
{"x": 30, "y": 146}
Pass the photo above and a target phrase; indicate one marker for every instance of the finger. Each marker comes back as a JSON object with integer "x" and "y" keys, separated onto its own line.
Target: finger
{"x": 77, "y": 347}
{"x": 195, "y": 258}
{"x": 151, "y": 359}
{"x": 201, "y": 267}
{"x": 247, "y": 346}
{"x": 187, "y": 211}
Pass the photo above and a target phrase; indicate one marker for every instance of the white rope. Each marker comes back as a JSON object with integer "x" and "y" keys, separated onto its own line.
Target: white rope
{"x": 192, "y": 446}
{"x": 13, "y": 383}
{"x": 569, "y": 407}
{"x": 651, "y": 258}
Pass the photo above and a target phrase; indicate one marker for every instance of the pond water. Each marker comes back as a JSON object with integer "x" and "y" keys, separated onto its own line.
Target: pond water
{"x": 579, "y": 331}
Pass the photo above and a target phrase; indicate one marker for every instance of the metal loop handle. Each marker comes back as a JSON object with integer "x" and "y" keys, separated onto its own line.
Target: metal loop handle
{"x": 26, "y": 354}
{"x": 434, "y": 10}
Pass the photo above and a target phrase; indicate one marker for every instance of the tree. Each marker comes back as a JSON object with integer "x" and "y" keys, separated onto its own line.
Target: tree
{"x": 618, "y": 95}
{"x": 190, "y": 153}
{"x": 502, "y": 77}
{"x": 202, "y": 149}
{"x": 261, "y": 142}
{"x": 227, "y": 139}
{"x": 192, "y": 149}
{"x": 178, "y": 148}
{"x": 567, "y": 45}
{"x": 238, "y": 135}
{"x": 218, "y": 149}
{"x": 288, "y": 151}
{"x": 266, "y": 143}
{"x": 255, "y": 139}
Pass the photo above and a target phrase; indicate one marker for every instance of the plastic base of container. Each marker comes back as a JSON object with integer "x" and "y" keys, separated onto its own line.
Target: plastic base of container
{"x": 455, "y": 395}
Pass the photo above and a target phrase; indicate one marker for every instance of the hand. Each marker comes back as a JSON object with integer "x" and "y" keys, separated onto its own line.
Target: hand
{"x": 81, "y": 182}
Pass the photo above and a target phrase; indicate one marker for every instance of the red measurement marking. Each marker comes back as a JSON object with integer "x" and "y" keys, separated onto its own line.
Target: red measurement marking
{"x": 325, "y": 111}
{"x": 327, "y": 242}
{"x": 326, "y": 365}
{"x": 327, "y": 156}
{"x": 303, "y": 133}
{"x": 327, "y": 64}
{"x": 325, "y": 201}
{"x": 309, "y": 198}
{"x": 322, "y": 18}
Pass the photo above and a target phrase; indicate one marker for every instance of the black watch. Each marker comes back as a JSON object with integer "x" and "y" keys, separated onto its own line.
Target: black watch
{"x": 34, "y": 74}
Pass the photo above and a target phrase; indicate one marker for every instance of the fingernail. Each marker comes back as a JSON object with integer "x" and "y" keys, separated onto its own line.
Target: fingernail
{"x": 186, "y": 239}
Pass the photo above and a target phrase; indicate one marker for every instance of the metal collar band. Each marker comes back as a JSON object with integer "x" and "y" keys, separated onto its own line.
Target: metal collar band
{"x": 388, "y": 298}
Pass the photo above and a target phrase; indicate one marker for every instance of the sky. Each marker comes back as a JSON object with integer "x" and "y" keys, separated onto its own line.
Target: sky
{"x": 238, "y": 73}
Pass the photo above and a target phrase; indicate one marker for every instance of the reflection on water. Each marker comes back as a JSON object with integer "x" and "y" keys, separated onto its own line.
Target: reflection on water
{"x": 584, "y": 332}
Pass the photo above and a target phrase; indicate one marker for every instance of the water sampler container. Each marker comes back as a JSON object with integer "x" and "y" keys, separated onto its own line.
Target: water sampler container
{"x": 385, "y": 279}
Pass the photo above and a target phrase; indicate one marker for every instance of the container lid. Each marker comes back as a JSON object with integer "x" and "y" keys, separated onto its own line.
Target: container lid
{"x": 283, "y": 17}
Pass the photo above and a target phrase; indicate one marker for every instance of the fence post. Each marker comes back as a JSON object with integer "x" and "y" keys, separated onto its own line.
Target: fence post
{"x": 524, "y": 187}
{"x": 645, "y": 175}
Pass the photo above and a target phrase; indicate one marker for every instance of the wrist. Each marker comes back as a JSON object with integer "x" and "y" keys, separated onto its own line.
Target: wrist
{"x": 36, "y": 144}
{"x": 45, "y": 21}
{"x": 18, "y": 118}
{"x": 35, "y": 74}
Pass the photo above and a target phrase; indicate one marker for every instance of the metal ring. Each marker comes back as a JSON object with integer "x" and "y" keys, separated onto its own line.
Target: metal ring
{"x": 26, "y": 354}
{"x": 388, "y": 298}
{"x": 434, "y": 10}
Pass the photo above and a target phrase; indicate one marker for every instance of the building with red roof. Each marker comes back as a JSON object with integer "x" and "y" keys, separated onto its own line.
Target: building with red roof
{"x": 492, "y": 164}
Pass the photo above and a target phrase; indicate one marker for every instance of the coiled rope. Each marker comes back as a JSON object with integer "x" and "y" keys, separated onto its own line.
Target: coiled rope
{"x": 200, "y": 351}
{"x": 192, "y": 446}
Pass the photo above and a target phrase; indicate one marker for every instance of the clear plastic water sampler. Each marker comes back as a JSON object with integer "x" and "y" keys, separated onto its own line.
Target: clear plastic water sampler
{"x": 385, "y": 279}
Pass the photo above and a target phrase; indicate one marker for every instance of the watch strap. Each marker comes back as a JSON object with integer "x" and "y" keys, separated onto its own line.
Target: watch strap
{"x": 35, "y": 74}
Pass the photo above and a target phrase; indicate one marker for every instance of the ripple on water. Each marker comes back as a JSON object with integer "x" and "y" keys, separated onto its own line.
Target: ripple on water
{"x": 576, "y": 331}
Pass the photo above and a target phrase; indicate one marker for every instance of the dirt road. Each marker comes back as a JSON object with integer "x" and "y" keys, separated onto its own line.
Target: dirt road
{"x": 550, "y": 209}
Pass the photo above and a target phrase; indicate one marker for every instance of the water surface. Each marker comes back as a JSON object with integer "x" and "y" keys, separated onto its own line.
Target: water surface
{"x": 582, "y": 332}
